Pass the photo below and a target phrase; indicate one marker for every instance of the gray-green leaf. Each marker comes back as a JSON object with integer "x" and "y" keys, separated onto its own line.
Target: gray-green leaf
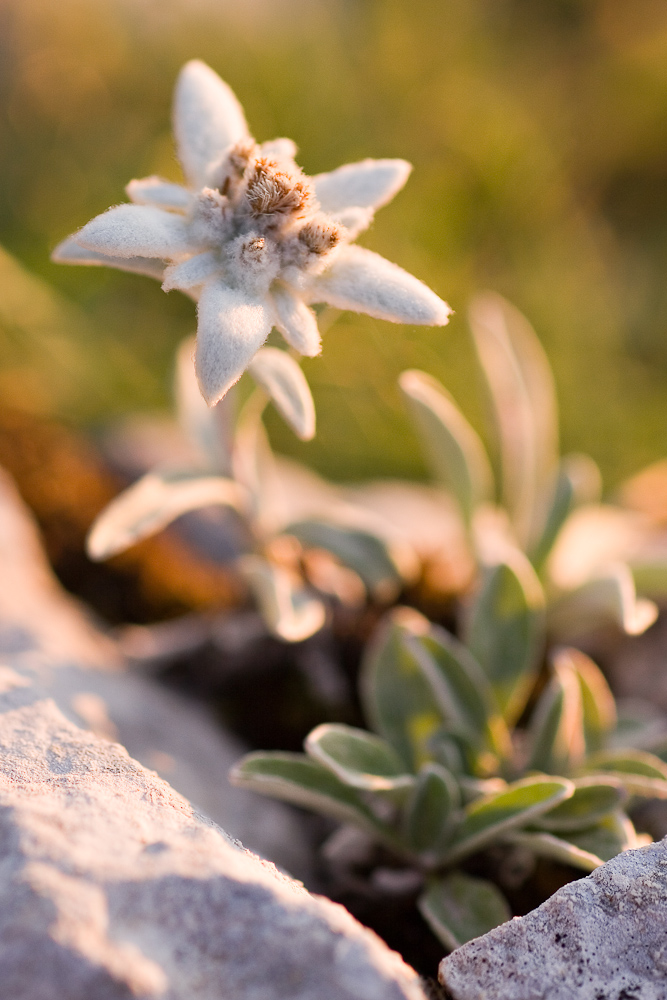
{"x": 398, "y": 702}
{"x": 594, "y": 798}
{"x": 296, "y": 778}
{"x": 460, "y": 907}
{"x": 557, "y": 848}
{"x": 487, "y": 819}
{"x": 453, "y": 448}
{"x": 641, "y": 773}
{"x": 428, "y": 816}
{"x": 357, "y": 757}
{"x": 608, "y": 600}
{"x": 556, "y": 733}
{"x": 505, "y": 631}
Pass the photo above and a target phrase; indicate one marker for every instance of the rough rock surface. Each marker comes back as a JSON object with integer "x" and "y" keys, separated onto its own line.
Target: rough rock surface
{"x": 603, "y": 937}
{"x": 45, "y": 636}
{"x": 112, "y": 885}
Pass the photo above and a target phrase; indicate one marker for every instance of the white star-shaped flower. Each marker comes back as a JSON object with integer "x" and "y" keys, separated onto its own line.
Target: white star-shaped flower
{"x": 252, "y": 238}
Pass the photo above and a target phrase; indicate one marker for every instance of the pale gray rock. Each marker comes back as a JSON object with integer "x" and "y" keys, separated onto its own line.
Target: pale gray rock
{"x": 112, "y": 885}
{"x": 603, "y": 937}
{"x": 46, "y": 638}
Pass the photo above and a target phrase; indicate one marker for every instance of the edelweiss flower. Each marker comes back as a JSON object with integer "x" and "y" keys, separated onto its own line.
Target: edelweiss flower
{"x": 253, "y": 239}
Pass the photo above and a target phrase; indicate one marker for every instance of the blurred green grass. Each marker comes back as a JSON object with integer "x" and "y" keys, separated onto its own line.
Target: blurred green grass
{"x": 538, "y": 133}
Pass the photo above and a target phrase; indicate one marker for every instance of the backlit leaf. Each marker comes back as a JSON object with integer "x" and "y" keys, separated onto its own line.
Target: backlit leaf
{"x": 546, "y": 845}
{"x": 288, "y": 610}
{"x": 152, "y": 503}
{"x": 641, "y": 773}
{"x": 607, "y": 600}
{"x": 556, "y": 732}
{"x": 453, "y": 448}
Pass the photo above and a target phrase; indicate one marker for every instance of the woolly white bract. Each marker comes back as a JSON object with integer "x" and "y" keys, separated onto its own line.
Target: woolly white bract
{"x": 253, "y": 239}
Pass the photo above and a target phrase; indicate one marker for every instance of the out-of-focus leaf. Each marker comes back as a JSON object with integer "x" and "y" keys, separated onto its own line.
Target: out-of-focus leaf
{"x": 505, "y": 631}
{"x": 254, "y": 463}
{"x": 556, "y": 734}
{"x": 296, "y": 778}
{"x": 289, "y": 611}
{"x": 398, "y": 702}
{"x": 358, "y": 758}
{"x": 518, "y": 805}
{"x": 641, "y": 773}
{"x": 428, "y": 817}
{"x": 594, "y": 798}
{"x": 461, "y": 690}
{"x": 607, "y": 600}
{"x": 152, "y": 503}
{"x": 477, "y": 788}
{"x": 546, "y": 845}
{"x": 578, "y": 482}
{"x": 453, "y": 448}
{"x": 599, "y": 706}
{"x": 208, "y": 427}
{"x": 367, "y": 554}
{"x": 650, "y": 578}
{"x": 281, "y": 377}
{"x": 524, "y": 399}
{"x": 613, "y": 834}
{"x": 460, "y": 907}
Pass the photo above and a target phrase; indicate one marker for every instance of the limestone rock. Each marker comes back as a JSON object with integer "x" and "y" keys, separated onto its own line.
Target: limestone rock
{"x": 603, "y": 937}
{"x": 46, "y": 637}
{"x": 112, "y": 885}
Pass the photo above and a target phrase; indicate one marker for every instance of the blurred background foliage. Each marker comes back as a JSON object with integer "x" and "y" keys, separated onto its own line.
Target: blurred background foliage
{"x": 538, "y": 133}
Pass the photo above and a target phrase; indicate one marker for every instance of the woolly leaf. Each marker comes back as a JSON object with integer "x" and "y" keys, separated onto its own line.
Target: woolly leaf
{"x": 523, "y": 393}
{"x": 641, "y": 773}
{"x": 546, "y": 845}
{"x": 460, "y": 907}
{"x": 280, "y": 376}
{"x": 152, "y": 503}
{"x": 505, "y": 631}
{"x": 287, "y": 609}
{"x": 367, "y": 554}
{"x": 599, "y": 706}
{"x": 613, "y": 834}
{"x": 485, "y": 820}
{"x": 556, "y": 731}
{"x": 398, "y": 702}
{"x": 454, "y": 450}
{"x": 304, "y": 782}
{"x": 461, "y": 690}
{"x": 428, "y": 817}
{"x": 358, "y": 758}
{"x": 594, "y": 798}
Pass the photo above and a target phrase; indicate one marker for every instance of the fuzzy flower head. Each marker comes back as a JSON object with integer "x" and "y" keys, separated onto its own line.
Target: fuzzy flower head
{"x": 253, "y": 239}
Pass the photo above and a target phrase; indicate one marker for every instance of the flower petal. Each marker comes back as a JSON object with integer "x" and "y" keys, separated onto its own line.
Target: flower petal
{"x": 367, "y": 184}
{"x": 136, "y": 231}
{"x": 69, "y": 252}
{"x": 362, "y": 281}
{"x": 192, "y": 272}
{"x": 160, "y": 193}
{"x": 295, "y": 321}
{"x": 207, "y": 119}
{"x": 232, "y": 328}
